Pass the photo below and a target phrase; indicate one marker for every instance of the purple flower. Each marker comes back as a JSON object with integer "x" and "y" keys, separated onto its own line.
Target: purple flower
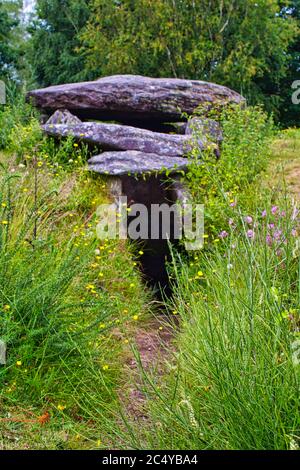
{"x": 264, "y": 213}
{"x": 294, "y": 232}
{"x": 233, "y": 204}
{"x": 271, "y": 226}
{"x": 277, "y": 234}
{"x": 282, "y": 214}
{"x": 269, "y": 239}
{"x": 248, "y": 219}
{"x": 274, "y": 210}
{"x": 230, "y": 222}
{"x": 250, "y": 234}
{"x": 223, "y": 234}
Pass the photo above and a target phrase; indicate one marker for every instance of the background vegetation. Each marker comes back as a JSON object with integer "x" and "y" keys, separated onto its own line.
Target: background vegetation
{"x": 251, "y": 46}
{"x": 74, "y": 311}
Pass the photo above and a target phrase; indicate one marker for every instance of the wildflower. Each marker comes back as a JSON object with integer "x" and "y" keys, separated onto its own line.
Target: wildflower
{"x": 274, "y": 210}
{"x": 141, "y": 252}
{"x": 132, "y": 285}
{"x": 264, "y": 213}
{"x": 19, "y": 363}
{"x": 277, "y": 234}
{"x": 250, "y": 234}
{"x": 200, "y": 274}
{"x": 4, "y": 204}
{"x": 232, "y": 203}
{"x": 135, "y": 317}
{"x": 268, "y": 239}
{"x": 4, "y": 222}
{"x": 271, "y": 226}
{"x": 248, "y": 219}
{"x": 282, "y": 214}
{"x": 6, "y": 308}
{"x": 294, "y": 232}
{"x": 223, "y": 234}
{"x": 105, "y": 367}
{"x": 75, "y": 145}
{"x": 99, "y": 443}
{"x": 230, "y": 222}
{"x": 97, "y": 252}
{"x": 61, "y": 407}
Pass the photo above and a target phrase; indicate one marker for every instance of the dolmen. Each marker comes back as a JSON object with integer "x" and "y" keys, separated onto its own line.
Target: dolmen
{"x": 140, "y": 124}
{"x": 144, "y": 130}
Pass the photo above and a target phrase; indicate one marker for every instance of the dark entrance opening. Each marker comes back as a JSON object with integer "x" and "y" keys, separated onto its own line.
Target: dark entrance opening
{"x": 149, "y": 191}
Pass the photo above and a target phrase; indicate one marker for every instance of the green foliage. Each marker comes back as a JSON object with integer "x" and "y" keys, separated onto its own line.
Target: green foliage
{"x": 54, "y": 40}
{"x": 15, "y": 114}
{"x": 63, "y": 294}
{"x": 244, "y": 154}
{"x": 236, "y": 384}
{"x": 239, "y": 44}
{"x": 9, "y": 53}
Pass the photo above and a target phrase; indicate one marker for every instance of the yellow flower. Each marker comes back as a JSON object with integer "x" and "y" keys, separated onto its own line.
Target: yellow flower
{"x": 132, "y": 285}
{"x": 200, "y": 274}
{"x": 4, "y": 222}
{"x": 19, "y": 363}
{"x": 99, "y": 443}
{"x": 75, "y": 145}
{"x": 135, "y": 317}
{"x": 4, "y": 204}
{"x": 61, "y": 407}
{"x": 105, "y": 367}
{"x": 141, "y": 252}
{"x": 6, "y": 307}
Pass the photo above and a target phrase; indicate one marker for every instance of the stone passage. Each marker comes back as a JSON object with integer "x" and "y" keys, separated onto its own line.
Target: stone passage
{"x": 146, "y": 145}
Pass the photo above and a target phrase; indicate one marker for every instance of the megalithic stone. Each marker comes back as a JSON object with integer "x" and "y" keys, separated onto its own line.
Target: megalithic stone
{"x": 135, "y": 163}
{"x": 131, "y": 98}
{"x": 118, "y": 137}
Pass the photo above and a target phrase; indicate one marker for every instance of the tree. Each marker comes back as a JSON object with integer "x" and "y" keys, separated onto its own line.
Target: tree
{"x": 54, "y": 41}
{"x": 242, "y": 44}
{"x": 9, "y": 45}
{"x": 288, "y": 112}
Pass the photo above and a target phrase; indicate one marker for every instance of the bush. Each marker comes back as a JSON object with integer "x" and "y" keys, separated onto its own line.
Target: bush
{"x": 244, "y": 154}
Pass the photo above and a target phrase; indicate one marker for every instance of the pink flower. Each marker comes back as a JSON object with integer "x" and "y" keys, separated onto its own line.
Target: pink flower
{"x": 294, "y": 232}
{"x": 230, "y": 222}
{"x": 282, "y": 214}
{"x": 269, "y": 239}
{"x": 248, "y": 219}
{"x": 274, "y": 210}
{"x": 277, "y": 234}
{"x": 223, "y": 234}
{"x": 264, "y": 213}
{"x": 250, "y": 234}
{"x": 271, "y": 226}
{"x": 233, "y": 204}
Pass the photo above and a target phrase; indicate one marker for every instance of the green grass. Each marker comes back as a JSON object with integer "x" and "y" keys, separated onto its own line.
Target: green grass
{"x": 65, "y": 308}
{"x": 69, "y": 303}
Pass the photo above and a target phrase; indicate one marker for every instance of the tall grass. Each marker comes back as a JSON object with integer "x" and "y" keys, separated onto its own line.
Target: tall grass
{"x": 235, "y": 381}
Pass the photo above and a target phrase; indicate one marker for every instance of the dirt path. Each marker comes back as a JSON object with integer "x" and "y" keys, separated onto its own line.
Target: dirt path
{"x": 153, "y": 351}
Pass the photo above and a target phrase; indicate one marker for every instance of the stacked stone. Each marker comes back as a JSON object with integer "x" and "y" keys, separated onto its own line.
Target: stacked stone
{"x": 137, "y": 122}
